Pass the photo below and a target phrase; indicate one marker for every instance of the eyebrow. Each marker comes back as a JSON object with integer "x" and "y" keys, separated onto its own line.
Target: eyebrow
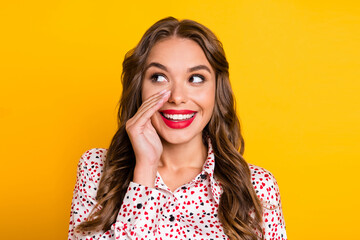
{"x": 192, "y": 69}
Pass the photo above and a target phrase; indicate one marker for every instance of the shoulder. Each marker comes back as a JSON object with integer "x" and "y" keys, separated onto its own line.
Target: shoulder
{"x": 91, "y": 164}
{"x": 265, "y": 186}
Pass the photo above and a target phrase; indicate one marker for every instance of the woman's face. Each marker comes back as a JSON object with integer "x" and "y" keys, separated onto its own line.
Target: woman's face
{"x": 180, "y": 65}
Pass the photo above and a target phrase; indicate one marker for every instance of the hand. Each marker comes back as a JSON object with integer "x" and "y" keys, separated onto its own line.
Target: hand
{"x": 144, "y": 139}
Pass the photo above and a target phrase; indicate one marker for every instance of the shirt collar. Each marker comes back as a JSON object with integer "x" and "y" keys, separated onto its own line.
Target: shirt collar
{"x": 208, "y": 168}
{"x": 209, "y": 164}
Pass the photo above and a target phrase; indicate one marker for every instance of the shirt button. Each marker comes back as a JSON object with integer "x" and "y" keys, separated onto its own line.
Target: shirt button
{"x": 172, "y": 218}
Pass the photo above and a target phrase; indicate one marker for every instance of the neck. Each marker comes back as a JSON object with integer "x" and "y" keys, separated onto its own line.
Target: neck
{"x": 190, "y": 154}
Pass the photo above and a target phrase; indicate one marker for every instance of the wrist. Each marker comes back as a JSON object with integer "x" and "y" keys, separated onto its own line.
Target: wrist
{"x": 145, "y": 175}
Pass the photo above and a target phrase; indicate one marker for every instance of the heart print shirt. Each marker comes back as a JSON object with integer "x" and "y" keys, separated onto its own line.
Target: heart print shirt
{"x": 188, "y": 213}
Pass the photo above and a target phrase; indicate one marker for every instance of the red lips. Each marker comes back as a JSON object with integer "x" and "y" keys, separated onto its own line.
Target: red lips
{"x": 177, "y": 124}
{"x": 173, "y": 111}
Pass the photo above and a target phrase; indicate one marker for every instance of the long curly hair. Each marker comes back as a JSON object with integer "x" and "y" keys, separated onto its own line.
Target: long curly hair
{"x": 240, "y": 210}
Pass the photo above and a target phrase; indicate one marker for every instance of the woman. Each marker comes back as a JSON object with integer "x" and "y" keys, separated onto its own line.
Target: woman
{"x": 174, "y": 169}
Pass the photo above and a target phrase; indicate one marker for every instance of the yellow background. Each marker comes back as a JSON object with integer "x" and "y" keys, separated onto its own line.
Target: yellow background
{"x": 294, "y": 66}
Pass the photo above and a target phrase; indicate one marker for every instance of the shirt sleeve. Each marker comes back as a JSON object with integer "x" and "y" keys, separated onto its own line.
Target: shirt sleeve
{"x": 273, "y": 218}
{"x": 138, "y": 216}
{"x": 84, "y": 194}
{"x": 140, "y": 213}
{"x": 267, "y": 190}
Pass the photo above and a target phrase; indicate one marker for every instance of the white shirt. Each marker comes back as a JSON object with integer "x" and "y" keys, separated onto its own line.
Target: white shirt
{"x": 190, "y": 212}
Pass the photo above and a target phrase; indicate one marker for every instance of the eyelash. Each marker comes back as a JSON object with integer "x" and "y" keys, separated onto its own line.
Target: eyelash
{"x": 154, "y": 77}
{"x": 199, "y": 76}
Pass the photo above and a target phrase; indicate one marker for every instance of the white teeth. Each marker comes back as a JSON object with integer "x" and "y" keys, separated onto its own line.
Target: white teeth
{"x": 178, "y": 116}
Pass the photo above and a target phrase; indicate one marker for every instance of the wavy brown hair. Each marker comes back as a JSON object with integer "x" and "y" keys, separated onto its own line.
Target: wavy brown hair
{"x": 240, "y": 211}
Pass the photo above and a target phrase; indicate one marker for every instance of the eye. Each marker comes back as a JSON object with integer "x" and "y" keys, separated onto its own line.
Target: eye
{"x": 158, "y": 78}
{"x": 197, "y": 78}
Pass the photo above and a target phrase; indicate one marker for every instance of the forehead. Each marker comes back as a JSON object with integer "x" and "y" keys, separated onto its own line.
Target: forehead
{"x": 177, "y": 52}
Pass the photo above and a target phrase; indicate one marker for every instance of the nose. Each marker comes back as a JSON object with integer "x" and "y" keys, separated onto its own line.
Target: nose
{"x": 178, "y": 93}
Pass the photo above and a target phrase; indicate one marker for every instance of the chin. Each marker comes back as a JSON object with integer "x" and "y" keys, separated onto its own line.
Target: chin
{"x": 178, "y": 138}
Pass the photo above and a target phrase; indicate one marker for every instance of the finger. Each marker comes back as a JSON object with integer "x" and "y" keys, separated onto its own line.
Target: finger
{"x": 153, "y": 107}
{"x": 156, "y": 95}
{"x": 146, "y": 115}
{"x": 152, "y": 101}
{"x": 148, "y": 102}
{"x": 143, "y": 108}
{"x": 142, "y": 122}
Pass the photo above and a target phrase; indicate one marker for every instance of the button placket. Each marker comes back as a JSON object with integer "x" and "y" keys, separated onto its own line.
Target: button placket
{"x": 168, "y": 207}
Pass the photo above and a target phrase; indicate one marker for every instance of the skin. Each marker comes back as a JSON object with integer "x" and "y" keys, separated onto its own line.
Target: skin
{"x": 177, "y": 154}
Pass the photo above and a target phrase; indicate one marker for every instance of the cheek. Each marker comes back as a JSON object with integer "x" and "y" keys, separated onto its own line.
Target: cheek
{"x": 146, "y": 91}
{"x": 149, "y": 89}
{"x": 206, "y": 99}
